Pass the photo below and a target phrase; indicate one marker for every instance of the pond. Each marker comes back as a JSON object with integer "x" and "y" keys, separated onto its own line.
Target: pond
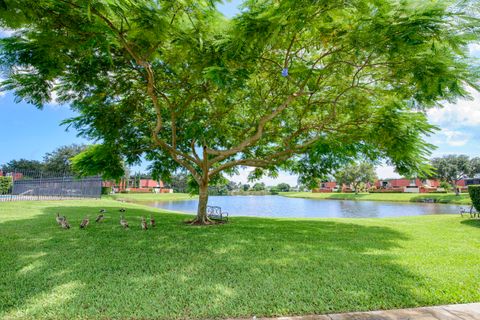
{"x": 283, "y": 207}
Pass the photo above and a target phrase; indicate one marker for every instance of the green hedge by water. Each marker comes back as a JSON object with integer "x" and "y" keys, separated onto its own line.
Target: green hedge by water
{"x": 106, "y": 190}
{"x": 5, "y": 184}
{"x": 474, "y": 192}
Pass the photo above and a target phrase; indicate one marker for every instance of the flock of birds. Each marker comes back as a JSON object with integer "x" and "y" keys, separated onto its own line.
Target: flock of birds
{"x": 63, "y": 222}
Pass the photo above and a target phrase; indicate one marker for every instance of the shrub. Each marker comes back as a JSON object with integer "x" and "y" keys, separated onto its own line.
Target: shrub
{"x": 106, "y": 190}
{"x": 474, "y": 192}
{"x": 445, "y": 185}
{"x": 386, "y": 191}
{"x": 5, "y": 184}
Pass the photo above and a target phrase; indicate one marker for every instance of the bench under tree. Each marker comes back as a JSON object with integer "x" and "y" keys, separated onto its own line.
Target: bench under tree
{"x": 216, "y": 213}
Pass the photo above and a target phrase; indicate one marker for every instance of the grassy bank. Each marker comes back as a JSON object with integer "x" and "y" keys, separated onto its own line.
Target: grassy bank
{"x": 150, "y": 197}
{"x": 398, "y": 197}
{"x": 251, "y": 266}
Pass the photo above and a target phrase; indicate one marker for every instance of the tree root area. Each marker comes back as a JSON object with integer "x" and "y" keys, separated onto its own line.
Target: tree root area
{"x": 208, "y": 222}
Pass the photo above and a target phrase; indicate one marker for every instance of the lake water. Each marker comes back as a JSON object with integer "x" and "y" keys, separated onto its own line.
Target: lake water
{"x": 283, "y": 207}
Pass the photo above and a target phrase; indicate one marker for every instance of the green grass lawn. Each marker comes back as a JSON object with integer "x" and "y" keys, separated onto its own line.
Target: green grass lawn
{"x": 251, "y": 266}
{"x": 464, "y": 198}
{"x": 150, "y": 197}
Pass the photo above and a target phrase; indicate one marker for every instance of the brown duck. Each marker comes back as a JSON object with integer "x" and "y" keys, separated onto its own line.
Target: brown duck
{"x": 144, "y": 224}
{"x": 152, "y": 221}
{"x": 65, "y": 224}
{"x": 59, "y": 219}
{"x": 123, "y": 222}
{"x": 100, "y": 217}
{"x": 84, "y": 223}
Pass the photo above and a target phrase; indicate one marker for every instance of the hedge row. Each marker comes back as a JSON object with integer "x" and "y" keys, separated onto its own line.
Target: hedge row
{"x": 106, "y": 190}
{"x": 474, "y": 192}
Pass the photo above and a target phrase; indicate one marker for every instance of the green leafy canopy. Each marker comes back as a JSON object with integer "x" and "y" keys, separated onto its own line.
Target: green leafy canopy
{"x": 299, "y": 85}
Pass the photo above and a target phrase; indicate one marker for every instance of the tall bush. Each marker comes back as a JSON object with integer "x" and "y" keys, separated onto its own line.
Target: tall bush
{"x": 106, "y": 190}
{"x": 474, "y": 192}
{"x": 5, "y": 184}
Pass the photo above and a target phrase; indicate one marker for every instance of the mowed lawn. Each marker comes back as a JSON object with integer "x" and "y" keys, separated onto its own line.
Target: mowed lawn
{"x": 251, "y": 266}
{"x": 463, "y": 198}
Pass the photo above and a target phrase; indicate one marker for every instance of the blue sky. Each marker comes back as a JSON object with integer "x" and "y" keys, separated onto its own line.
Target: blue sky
{"x": 26, "y": 132}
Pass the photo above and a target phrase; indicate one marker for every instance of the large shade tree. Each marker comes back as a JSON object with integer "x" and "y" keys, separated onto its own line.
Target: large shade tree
{"x": 59, "y": 160}
{"x": 23, "y": 166}
{"x": 356, "y": 174}
{"x": 453, "y": 168}
{"x": 298, "y": 85}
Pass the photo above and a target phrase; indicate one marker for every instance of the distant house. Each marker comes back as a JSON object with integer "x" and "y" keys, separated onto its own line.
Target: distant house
{"x": 325, "y": 187}
{"x": 14, "y": 175}
{"x": 471, "y": 181}
{"x": 150, "y": 183}
{"x": 329, "y": 185}
{"x": 397, "y": 183}
{"x": 138, "y": 186}
{"x": 415, "y": 185}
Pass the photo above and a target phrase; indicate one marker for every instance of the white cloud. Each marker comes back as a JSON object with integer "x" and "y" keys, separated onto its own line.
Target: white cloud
{"x": 474, "y": 49}
{"x": 282, "y": 177}
{"x": 455, "y": 138}
{"x": 384, "y": 172}
{"x": 54, "y": 103}
{"x": 4, "y": 32}
{"x": 461, "y": 114}
{"x": 54, "y": 95}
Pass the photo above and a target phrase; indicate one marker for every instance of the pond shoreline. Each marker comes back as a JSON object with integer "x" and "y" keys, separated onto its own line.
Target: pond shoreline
{"x": 444, "y": 198}
{"x": 284, "y": 207}
{"x": 447, "y": 198}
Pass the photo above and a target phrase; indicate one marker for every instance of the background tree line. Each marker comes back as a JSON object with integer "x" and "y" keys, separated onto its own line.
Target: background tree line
{"x": 182, "y": 183}
{"x": 448, "y": 169}
{"x": 57, "y": 161}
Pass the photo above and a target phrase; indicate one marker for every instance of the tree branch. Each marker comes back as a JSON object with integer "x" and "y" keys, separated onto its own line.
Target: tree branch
{"x": 223, "y": 154}
{"x": 275, "y": 157}
{"x": 151, "y": 91}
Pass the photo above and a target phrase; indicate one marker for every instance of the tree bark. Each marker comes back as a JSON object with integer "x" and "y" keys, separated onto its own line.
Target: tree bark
{"x": 457, "y": 191}
{"x": 202, "y": 204}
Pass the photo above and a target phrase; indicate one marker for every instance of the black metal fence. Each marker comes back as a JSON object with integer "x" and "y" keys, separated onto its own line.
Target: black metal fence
{"x": 33, "y": 185}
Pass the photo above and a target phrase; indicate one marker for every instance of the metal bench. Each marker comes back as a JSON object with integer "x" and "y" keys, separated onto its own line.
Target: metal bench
{"x": 473, "y": 213}
{"x": 216, "y": 213}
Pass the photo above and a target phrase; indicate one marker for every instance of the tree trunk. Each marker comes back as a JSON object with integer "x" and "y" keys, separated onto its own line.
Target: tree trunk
{"x": 202, "y": 205}
{"x": 457, "y": 191}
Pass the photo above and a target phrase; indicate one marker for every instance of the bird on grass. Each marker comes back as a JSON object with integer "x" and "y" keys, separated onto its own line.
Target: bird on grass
{"x": 152, "y": 221}
{"x": 65, "y": 224}
{"x": 100, "y": 217}
{"x": 84, "y": 223}
{"x": 122, "y": 210}
{"x": 59, "y": 219}
{"x": 144, "y": 224}
{"x": 102, "y": 211}
{"x": 123, "y": 222}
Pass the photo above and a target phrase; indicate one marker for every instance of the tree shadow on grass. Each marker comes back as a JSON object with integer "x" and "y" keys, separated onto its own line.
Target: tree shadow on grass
{"x": 251, "y": 266}
{"x": 439, "y": 198}
{"x": 472, "y": 222}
